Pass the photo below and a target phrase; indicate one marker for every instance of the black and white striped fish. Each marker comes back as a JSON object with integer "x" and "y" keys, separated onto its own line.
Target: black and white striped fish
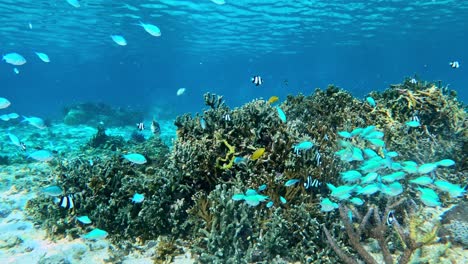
{"x": 312, "y": 183}
{"x": 454, "y": 64}
{"x": 257, "y": 80}
{"x": 141, "y": 126}
{"x": 66, "y": 201}
{"x": 155, "y": 129}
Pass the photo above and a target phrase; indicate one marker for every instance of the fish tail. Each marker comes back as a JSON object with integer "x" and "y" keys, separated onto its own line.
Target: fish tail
{"x": 25, "y": 118}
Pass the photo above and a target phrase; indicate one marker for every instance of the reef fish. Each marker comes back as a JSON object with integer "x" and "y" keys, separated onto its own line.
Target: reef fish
{"x": 43, "y": 56}
{"x": 398, "y": 175}
{"x": 283, "y": 200}
{"x": 370, "y": 177}
{"x": 281, "y": 114}
{"x": 96, "y": 234}
{"x": 273, "y": 99}
{"x": 35, "y": 121}
{"x": 14, "y": 59}
{"x": 445, "y": 163}
{"x": 262, "y": 187}
{"x": 303, "y": 146}
{"x": 351, "y": 176}
{"x": 52, "y": 190}
{"x": 14, "y": 139}
{"x": 357, "y": 201}
{"x": 423, "y": 180}
{"x": 74, "y": 3}
{"x": 454, "y": 64}
{"x": 4, "y": 103}
{"x": 138, "y": 198}
{"x": 181, "y": 91}
{"x": 291, "y": 182}
{"x": 65, "y": 201}
{"x": 341, "y": 192}
{"x": 257, "y": 153}
{"x": 311, "y": 183}
{"x": 155, "y": 128}
{"x": 427, "y": 168}
{"x": 345, "y": 134}
{"x": 84, "y": 219}
{"x": 135, "y": 158}
{"x": 257, "y": 80}
{"x": 41, "y": 155}
{"x": 151, "y": 29}
{"x": 413, "y": 123}
{"x": 371, "y": 101}
{"x": 327, "y": 205}
{"x": 429, "y": 197}
{"x": 120, "y": 40}
{"x": 453, "y": 189}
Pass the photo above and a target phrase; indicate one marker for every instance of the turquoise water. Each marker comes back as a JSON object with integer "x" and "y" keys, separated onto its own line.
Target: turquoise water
{"x": 358, "y": 45}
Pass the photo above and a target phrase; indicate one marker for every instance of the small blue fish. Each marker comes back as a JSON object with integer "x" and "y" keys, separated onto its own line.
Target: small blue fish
{"x": 427, "y": 168}
{"x": 14, "y": 59}
{"x": 282, "y": 199}
{"x": 262, "y": 187}
{"x": 351, "y": 176}
{"x": 41, "y": 155}
{"x": 357, "y": 201}
{"x": 43, "y": 56}
{"x": 413, "y": 123}
{"x": 429, "y": 197}
{"x": 371, "y": 101}
{"x": 327, "y": 205}
{"x": 151, "y": 29}
{"x": 377, "y": 142}
{"x": 453, "y": 189}
{"x": 84, "y": 219}
{"x": 446, "y": 163}
{"x": 345, "y": 134}
{"x": 238, "y": 197}
{"x": 281, "y": 114}
{"x": 119, "y": 40}
{"x": 138, "y": 198}
{"x": 291, "y": 182}
{"x": 52, "y": 190}
{"x": 238, "y": 160}
{"x": 202, "y": 123}
{"x": 15, "y": 70}
{"x": 95, "y": 234}
{"x": 135, "y": 158}
{"x": 423, "y": 180}
{"x": 269, "y": 204}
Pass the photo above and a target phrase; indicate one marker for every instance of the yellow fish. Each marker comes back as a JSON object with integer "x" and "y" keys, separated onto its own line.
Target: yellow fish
{"x": 257, "y": 153}
{"x": 273, "y": 99}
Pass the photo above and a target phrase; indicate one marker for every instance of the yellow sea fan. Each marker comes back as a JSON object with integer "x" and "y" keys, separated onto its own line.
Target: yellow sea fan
{"x": 257, "y": 153}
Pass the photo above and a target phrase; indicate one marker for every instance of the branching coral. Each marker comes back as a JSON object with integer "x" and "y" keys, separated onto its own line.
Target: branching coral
{"x": 377, "y": 222}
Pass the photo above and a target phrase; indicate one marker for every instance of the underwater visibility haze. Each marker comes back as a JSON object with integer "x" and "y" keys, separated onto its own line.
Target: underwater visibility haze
{"x": 222, "y": 131}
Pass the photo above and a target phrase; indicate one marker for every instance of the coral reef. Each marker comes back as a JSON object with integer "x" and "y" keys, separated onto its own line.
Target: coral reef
{"x": 189, "y": 190}
{"x": 95, "y": 113}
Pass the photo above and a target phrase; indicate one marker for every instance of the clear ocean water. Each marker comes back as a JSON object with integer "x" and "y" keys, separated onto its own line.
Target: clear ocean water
{"x": 296, "y": 46}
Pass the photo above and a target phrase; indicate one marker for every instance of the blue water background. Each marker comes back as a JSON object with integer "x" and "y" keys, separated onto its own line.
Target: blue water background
{"x": 358, "y": 45}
